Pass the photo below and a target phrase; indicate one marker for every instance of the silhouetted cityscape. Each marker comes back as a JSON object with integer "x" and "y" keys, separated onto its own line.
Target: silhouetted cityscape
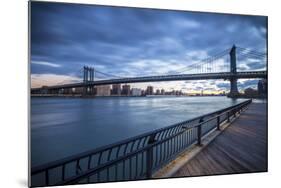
{"x": 126, "y": 90}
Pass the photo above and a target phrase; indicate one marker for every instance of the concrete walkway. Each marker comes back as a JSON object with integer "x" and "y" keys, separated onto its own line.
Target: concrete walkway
{"x": 240, "y": 148}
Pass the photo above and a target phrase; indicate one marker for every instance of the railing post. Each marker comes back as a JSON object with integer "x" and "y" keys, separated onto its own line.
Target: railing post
{"x": 47, "y": 177}
{"x": 228, "y": 117}
{"x": 149, "y": 156}
{"x": 218, "y": 123}
{"x": 234, "y": 112}
{"x": 199, "y": 132}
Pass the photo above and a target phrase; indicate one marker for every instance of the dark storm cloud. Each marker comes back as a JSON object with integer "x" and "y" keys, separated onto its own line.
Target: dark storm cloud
{"x": 126, "y": 41}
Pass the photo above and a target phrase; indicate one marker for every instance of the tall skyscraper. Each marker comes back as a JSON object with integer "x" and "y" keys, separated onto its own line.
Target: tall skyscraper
{"x": 126, "y": 90}
{"x": 149, "y": 90}
{"x": 116, "y": 89}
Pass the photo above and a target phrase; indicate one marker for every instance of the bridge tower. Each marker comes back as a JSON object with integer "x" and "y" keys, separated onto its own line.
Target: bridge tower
{"x": 89, "y": 76}
{"x": 233, "y": 81}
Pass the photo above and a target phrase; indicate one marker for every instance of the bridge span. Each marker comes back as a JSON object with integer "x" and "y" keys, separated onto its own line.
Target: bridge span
{"x": 181, "y": 77}
{"x": 231, "y": 74}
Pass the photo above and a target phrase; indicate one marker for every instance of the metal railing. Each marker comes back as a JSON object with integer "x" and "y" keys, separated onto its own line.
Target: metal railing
{"x": 135, "y": 158}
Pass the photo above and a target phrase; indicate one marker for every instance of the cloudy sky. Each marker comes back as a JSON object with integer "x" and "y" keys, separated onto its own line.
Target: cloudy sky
{"x": 137, "y": 42}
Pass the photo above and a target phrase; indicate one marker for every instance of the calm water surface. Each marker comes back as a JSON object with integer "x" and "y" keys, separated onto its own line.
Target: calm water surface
{"x": 61, "y": 127}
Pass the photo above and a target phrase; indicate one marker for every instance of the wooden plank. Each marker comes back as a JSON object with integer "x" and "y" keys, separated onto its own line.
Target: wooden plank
{"x": 241, "y": 148}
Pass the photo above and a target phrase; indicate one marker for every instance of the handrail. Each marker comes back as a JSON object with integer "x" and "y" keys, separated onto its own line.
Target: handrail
{"x": 143, "y": 144}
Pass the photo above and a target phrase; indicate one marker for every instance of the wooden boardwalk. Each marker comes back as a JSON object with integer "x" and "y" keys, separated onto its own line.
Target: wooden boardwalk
{"x": 240, "y": 148}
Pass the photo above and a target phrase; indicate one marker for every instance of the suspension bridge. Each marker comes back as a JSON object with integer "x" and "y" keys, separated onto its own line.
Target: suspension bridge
{"x": 231, "y": 64}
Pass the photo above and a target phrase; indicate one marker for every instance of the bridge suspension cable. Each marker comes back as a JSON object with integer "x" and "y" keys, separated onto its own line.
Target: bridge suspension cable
{"x": 250, "y": 59}
{"x": 244, "y": 53}
{"x": 249, "y": 52}
{"x": 206, "y": 61}
{"x": 107, "y": 74}
{"x": 254, "y": 51}
{"x": 209, "y": 64}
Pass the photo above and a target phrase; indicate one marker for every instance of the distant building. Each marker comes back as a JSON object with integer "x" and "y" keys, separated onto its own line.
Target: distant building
{"x": 136, "y": 92}
{"x": 116, "y": 89}
{"x": 158, "y": 92}
{"x": 178, "y": 92}
{"x": 262, "y": 87}
{"x": 78, "y": 90}
{"x": 126, "y": 90}
{"x": 103, "y": 90}
{"x": 250, "y": 92}
{"x": 72, "y": 90}
{"x": 149, "y": 90}
{"x": 170, "y": 92}
{"x": 162, "y": 92}
{"x": 66, "y": 91}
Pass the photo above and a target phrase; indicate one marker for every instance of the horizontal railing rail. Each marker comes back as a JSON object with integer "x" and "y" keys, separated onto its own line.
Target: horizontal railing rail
{"x": 134, "y": 158}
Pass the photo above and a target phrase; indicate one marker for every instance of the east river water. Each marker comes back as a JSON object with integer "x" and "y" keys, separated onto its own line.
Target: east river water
{"x": 61, "y": 127}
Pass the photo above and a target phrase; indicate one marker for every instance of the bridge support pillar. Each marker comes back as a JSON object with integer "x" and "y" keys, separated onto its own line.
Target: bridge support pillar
{"x": 89, "y": 75}
{"x": 92, "y": 76}
{"x": 233, "y": 81}
{"x": 233, "y": 88}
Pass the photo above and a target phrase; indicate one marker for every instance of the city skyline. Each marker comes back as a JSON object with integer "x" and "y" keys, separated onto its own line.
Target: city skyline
{"x": 133, "y": 42}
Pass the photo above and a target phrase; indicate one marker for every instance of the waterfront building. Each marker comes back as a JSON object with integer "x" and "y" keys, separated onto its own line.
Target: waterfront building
{"x": 136, "y": 92}
{"x": 78, "y": 90}
{"x": 126, "y": 90}
{"x": 158, "y": 92}
{"x": 149, "y": 90}
{"x": 72, "y": 90}
{"x": 116, "y": 89}
{"x": 262, "y": 87}
{"x": 103, "y": 90}
{"x": 250, "y": 92}
{"x": 180, "y": 92}
{"x": 67, "y": 91}
{"x": 162, "y": 92}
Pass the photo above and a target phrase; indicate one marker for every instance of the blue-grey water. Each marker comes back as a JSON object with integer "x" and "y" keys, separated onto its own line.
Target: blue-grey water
{"x": 61, "y": 127}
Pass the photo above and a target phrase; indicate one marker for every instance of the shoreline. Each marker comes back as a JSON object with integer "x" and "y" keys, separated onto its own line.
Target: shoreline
{"x": 145, "y": 96}
{"x": 112, "y": 96}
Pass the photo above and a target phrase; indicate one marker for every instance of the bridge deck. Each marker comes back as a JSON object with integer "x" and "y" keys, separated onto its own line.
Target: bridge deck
{"x": 179, "y": 77}
{"x": 240, "y": 148}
